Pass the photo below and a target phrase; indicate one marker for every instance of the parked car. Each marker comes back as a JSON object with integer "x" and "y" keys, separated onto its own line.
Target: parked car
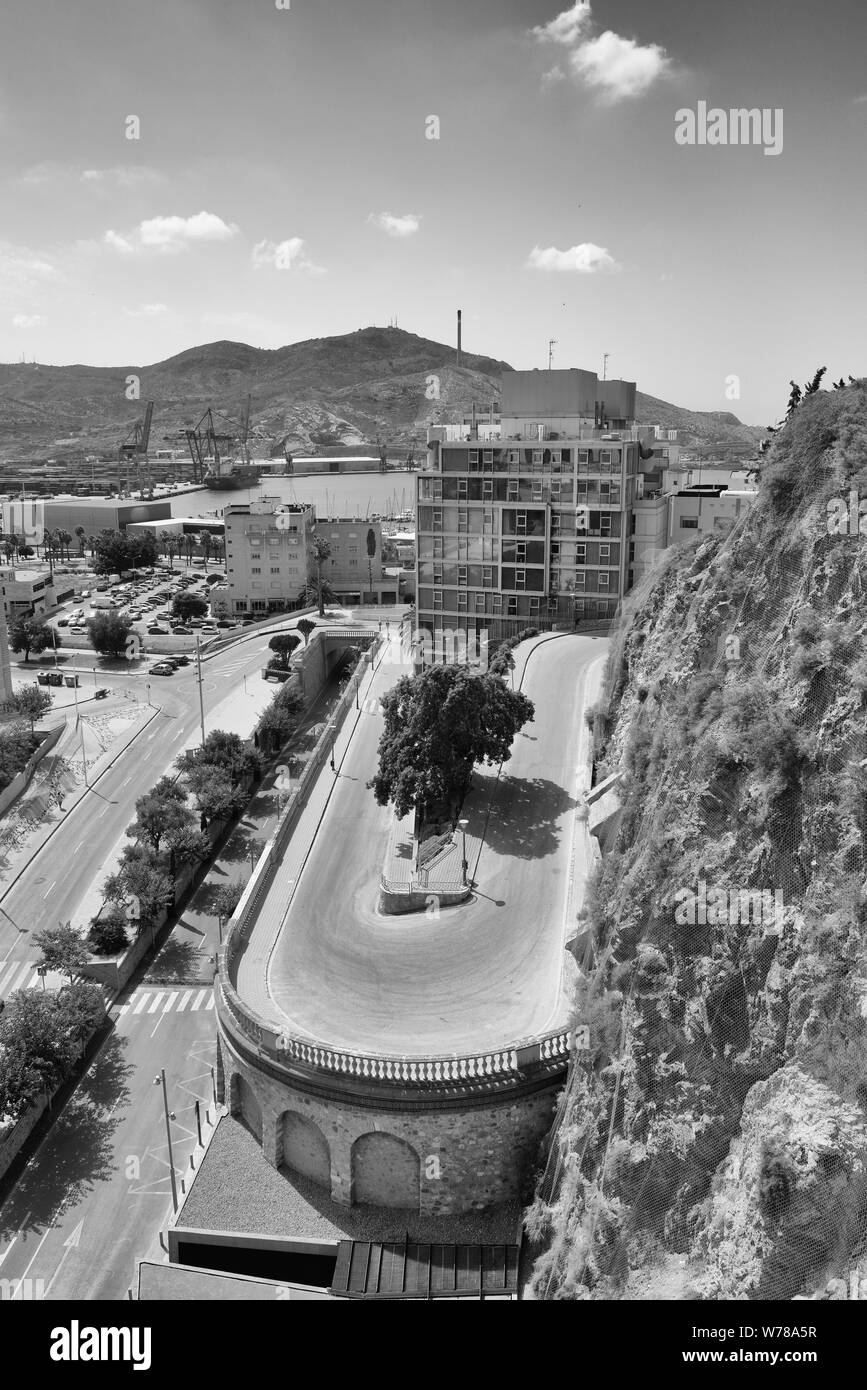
{"x": 101, "y": 693}
{"x": 224, "y": 622}
{"x": 181, "y": 660}
{"x": 162, "y": 668}
{"x": 181, "y": 630}
{"x": 209, "y": 627}
{"x": 63, "y": 622}
{"x": 157, "y": 630}
{"x": 78, "y": 627}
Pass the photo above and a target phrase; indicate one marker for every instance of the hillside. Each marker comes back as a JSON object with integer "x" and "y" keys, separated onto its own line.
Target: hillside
{"x": 715, "y": 1146}
{"x": 327, "y": 391}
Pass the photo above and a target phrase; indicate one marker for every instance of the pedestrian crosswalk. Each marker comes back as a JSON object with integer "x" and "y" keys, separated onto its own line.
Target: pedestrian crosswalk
{"x": 165, "y": 1001}
{"x": 17, "y": 975}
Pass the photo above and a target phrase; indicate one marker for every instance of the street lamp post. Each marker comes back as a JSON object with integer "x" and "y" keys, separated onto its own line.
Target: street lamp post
{"x": 148, "y": 689}
{"x": 169, "y": 1116}
{"x": 333, "y": 741}
{"x": 42, "y": 971}
{"x": 220, "y": 926}
{"x": 463, "y": 824}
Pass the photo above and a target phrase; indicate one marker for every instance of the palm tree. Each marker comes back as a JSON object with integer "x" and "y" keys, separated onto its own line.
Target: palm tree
{"x": 168, "y": 542}
{"x": 64, "y": 537}
{"x": 206, "y": 540}
{"x": 91, "y": 542}
{"x": 321, "y": 552}
{"x": 81, "y": 535}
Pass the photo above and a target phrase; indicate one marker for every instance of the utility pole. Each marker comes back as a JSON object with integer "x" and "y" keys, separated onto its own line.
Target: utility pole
{"x": 605, "y": 358}
{"x": 169, "y": 1116}
{"x": 551, "y": 345}
{"x": 199, "y": 679}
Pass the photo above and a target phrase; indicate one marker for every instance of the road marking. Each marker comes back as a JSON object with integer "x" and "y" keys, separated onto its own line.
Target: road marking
{"x": 15, "y": 1237}
{"x": 19, "y": 983}
{"x": 128, "y": 780}
{"x": 185, "y": 1001}
{"x": 168, "y": 1004}
{"x": 210, "y": 1003}
{"x": 155, "y": 1005}
{"x": 16, "y": 965}
{"x": 141, "y": 1003}
{"x": 103, "y": 811}
{"x": 49, "y": 889}
{"x": 198, "y": 1000}
{"x": 48, "y": 1231}
{"x": 78, "y": 846}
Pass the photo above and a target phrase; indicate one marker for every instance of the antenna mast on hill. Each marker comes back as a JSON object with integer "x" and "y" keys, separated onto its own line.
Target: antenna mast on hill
{"x": 551, "y": 345}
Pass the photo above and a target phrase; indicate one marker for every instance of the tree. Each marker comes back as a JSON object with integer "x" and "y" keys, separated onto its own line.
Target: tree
{"x": 29, "y": 634}
{"x": 157, "y": 817}
{"x": 815, "y": 382}
{"x": 218, "y": 545}
{"x": 438, "y": 725}
{"x": 109, "y": 634}
{"x": 283, "y": 645}
{"x": 371, "y": 551}
{"x": 305, "y": 627}
{"x": 64, "y": 539}
{"x": 62, "y": 948}
{"x": 31, "y": 701}
{"x": 226, "y": 752}
{"x": 108, "y": 935}
{"x": 169, "y": 543}
{"x": 10, "y": 545}
{"x": 81, "y": 536}
{"x": 25, "y": 552}
{"x": 215, "y": 578}
{"x": 16, "y": 745}
{"x": 189, "y": 606}
{"x": 503, "y": 662}
{"x": 218, "y": 795}
{"x": 188, "y": 845}
{"x": 226, "y": 899}
{"x": 206, "y": 541}
{"x": 36, "y": 1051}
{"x": 321, "y": 552}
{"x": 142, "y": 888}
{"x": 117, "y": 551}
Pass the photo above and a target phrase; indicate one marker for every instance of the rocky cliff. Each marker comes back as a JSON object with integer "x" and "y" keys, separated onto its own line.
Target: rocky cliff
{"x": 715, "y": 1144}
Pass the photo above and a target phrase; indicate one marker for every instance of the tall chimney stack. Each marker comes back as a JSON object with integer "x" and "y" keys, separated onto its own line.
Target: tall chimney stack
{"x": 459, "y": 339}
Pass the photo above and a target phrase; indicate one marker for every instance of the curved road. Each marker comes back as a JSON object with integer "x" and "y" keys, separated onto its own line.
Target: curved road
{"x": 476, "y": 976}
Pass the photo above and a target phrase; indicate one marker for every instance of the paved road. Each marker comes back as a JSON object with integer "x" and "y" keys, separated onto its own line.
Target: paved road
{"x": 476, "y": 976}
{"x": 51, "y": 889}
{"x": 98, "y": 1189}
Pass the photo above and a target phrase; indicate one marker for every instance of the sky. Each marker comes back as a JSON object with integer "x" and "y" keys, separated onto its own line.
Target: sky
{"x": 178, "y": 172}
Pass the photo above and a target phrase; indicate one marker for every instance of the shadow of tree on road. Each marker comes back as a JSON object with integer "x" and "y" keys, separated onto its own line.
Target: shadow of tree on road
{"x": 78, "y": 1151}
{"x": 180, "y": 960}
{"x": 524, "y": 816}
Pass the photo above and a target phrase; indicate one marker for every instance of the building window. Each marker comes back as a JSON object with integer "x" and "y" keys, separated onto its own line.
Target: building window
{"x": 275, "y": 569}
{"x": 255, "y": 569}
{"x": 555, "y": 551}
{"x": 480, "y": 602}
{"x": 534, "y": 605}
{"x": 581, "y": 554}
{"x": 512, "y": 490}
{"x": 255, "y": 555}
{"x": 605, "y": 552}
{"x": 462, "y": 574}
{"x": 353, "y": 562}
{"x": 584, "y": 456}
{"x": 537, "y": 458}
{"x": 605, "y": 458}
{"x": 512, "y": 456}
{"x": 462, "y": 487}
{"x": 537, "y": 492}
{"x": 605, "y": 524}
{"x": 463, "y": 521}
{"x": 555, "y": 522}
{"x": 521, "y": 524}
{"x": 512, "y": 606}
{"x": 689, "y": 523}
{"x": 488, "y": 456}
{"x": 462, "y": 598}
{"x": 556, "y": 486}
{"x": 487, "y": 489}
{"x": 604, "y": 579}
{"x": 438, "y": 598}
{"x": 425, "y": 490}
{"x": 438, "y": 547}
{"x": 438, "y": 574}
{"x": 487, "y": 576}
{"x": 520, "y": 579}
{"x": 474, "y": 455}
{"x": 438, "y": 519}
{"x": 353, "y": 550}
{"x": 521, "y": 552}
{"x": 497, "y": 601}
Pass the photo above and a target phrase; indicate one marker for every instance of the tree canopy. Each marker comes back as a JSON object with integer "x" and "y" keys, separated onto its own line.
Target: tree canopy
{"x": 438, "y": 725}
{"x": 110, "y": 634}
{"x": 29, "y": 634}
{"x": 117, "y": 551}
{"x": 189, "y": 606}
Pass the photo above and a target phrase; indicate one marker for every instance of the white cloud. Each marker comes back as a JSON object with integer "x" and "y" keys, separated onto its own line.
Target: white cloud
{"x": 553, "y": 76}
{"x": 170, "y": 234}
{"x": 616, "y": 68}
{"x": 27, "y": 320}
{"x": 54, "y": 172}
{"x": 859, "y": 101}
{"x": 147, "y": 311}
{"x": 22, "y": 269}
{"x": 619, "y": 68}
{"x": 568, "y": 26}
{"x": 587, "y": 259}
{"x": 404, "y": 226}
{"x": 290, "y": 254}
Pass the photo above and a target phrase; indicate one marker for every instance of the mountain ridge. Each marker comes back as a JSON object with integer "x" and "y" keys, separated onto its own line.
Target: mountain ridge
{"x": 349, "y": 389}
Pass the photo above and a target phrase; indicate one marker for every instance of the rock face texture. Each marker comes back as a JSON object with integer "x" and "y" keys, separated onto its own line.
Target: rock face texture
{"x": 714, "y": 1147}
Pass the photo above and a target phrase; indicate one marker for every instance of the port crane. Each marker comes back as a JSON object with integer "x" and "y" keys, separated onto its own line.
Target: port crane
{"x": 134, "y": 450}
{"x": 211, "y": 446}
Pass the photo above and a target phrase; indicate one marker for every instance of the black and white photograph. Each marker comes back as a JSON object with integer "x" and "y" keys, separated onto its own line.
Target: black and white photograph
{"x": 433, "y": 669}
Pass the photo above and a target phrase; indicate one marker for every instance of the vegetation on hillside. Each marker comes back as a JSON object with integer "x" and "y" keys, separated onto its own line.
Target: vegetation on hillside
{"x": 714, "y": 1145}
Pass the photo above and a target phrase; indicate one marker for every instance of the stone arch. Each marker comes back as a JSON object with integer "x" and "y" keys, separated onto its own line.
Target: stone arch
{"x": 243, "y": 1102}
{"x": 305, "y": 1149}
{"x": 385, "y": 1172}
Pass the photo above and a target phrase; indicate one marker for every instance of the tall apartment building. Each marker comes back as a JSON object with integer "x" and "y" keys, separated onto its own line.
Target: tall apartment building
{"x": 267, "y": 556}
{"x": 532, "y": 529}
